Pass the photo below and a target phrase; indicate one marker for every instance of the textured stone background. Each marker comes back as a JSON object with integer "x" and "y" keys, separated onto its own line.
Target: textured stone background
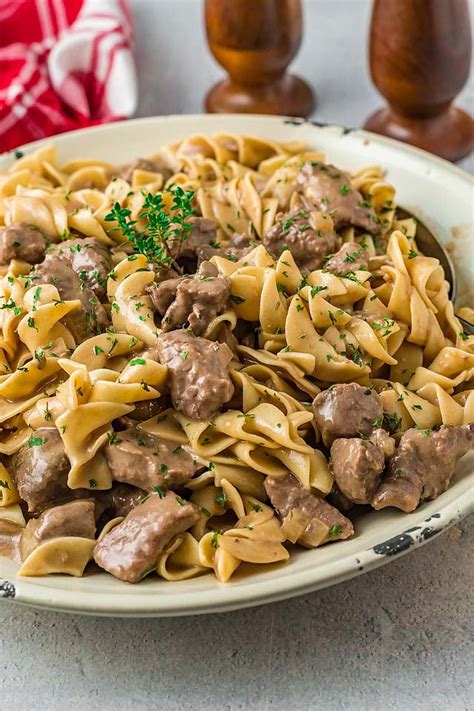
{"x": 401, "y": 637}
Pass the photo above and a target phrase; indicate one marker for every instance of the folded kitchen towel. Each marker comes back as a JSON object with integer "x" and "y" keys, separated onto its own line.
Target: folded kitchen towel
{"x": 64, "y": 64}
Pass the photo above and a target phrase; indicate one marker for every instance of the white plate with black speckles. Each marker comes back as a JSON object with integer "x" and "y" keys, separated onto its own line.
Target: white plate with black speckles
{"x": 435, "y": 191}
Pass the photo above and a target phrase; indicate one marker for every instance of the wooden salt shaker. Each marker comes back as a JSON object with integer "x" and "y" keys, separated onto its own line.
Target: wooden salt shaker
{"x": 420, "y": 53}
{"x": 255, "y": 40}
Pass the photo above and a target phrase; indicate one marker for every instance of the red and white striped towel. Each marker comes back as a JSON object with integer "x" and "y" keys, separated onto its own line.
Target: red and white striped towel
{"x": 64, "y": 64}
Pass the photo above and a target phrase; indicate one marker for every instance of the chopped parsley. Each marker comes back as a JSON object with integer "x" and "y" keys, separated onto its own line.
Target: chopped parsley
{"x": 113, "y": 439}
{"x": 392, "y": 422}
{"x": 113, "y": 344}
{"x": 357, "y": 357}
{"x": 36, "y": 441}
{"x": 317, "y": 290}
{"x": 221, "y": 499}
{"x": 426, "y": 432}
{"x": 137, "y": 361}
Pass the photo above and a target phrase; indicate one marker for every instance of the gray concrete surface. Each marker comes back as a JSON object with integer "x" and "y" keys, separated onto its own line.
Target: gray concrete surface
{"x": 401, "y": 637}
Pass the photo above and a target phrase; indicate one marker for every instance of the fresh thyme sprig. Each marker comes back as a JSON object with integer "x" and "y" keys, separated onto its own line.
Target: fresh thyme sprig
{"x": 164, "y": 233}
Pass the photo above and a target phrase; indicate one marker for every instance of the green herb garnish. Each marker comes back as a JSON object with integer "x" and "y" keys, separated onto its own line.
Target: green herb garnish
{"x": 36, "y": 441}
{"x": 160, "y": 241}
{"x": 221, "y": 499}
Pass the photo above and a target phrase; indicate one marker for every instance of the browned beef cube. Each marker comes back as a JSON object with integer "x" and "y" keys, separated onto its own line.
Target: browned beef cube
{"x": 347, "y": 410}
{"x": 133, "y": 547}
{"x": 291, "y": 500}
{"x": 144, "y": 460}
{"x": 423, "y": 466}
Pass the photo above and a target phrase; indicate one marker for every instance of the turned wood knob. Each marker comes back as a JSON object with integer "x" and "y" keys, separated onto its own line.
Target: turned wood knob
{"x": 420, "y": 53}
{"x": 255, "y": 40}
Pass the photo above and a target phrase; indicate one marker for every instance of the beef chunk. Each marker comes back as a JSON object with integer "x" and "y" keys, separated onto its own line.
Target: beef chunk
{"x": 233, "y": 254}
{"x": 349, "y": 258}
{"x": 382, "y": 439}
{"x": 195, "y": 300}
{"x": 126, "y": 171}
{"x": 90, "y": 259}
{"x": 242, "y": 241}
{"x": 133, "y": 547}
{"x": 329, "y": 189}
{"x": 202, "y": 232}
{"x": 77, "y": 518}
{"x": 337, "y": 499}
{"x": 309, "y": 237}
{"x": 198, "y": 373}
{"x": 22, "y": 241}
{"x": 120, "y": 499}
{"x": 145, "y": 461}
{"x": 347, "y": 410}
{"x": 40, "y": 468}
{"x": 357, "y": 465}
{"x": 163, "y": 273}
{"x": 308, "y": 511}
{"x": 423, "y": 466}
{"x": 91, "y": 315}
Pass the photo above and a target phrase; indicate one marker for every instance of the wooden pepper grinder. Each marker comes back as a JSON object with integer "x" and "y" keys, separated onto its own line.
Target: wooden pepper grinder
{"x": 255, "y": 40}
{"x": 420, "y": 52}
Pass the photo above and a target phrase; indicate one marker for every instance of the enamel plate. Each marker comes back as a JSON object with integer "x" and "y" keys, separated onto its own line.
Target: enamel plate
{"x": 435, "y": 191}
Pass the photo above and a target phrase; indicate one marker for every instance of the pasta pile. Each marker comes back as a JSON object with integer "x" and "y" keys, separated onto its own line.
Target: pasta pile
{"x": 293, "y": 333}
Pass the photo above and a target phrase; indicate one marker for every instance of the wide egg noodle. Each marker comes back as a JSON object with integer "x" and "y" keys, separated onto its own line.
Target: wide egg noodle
{"x": 67, "y": 555}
